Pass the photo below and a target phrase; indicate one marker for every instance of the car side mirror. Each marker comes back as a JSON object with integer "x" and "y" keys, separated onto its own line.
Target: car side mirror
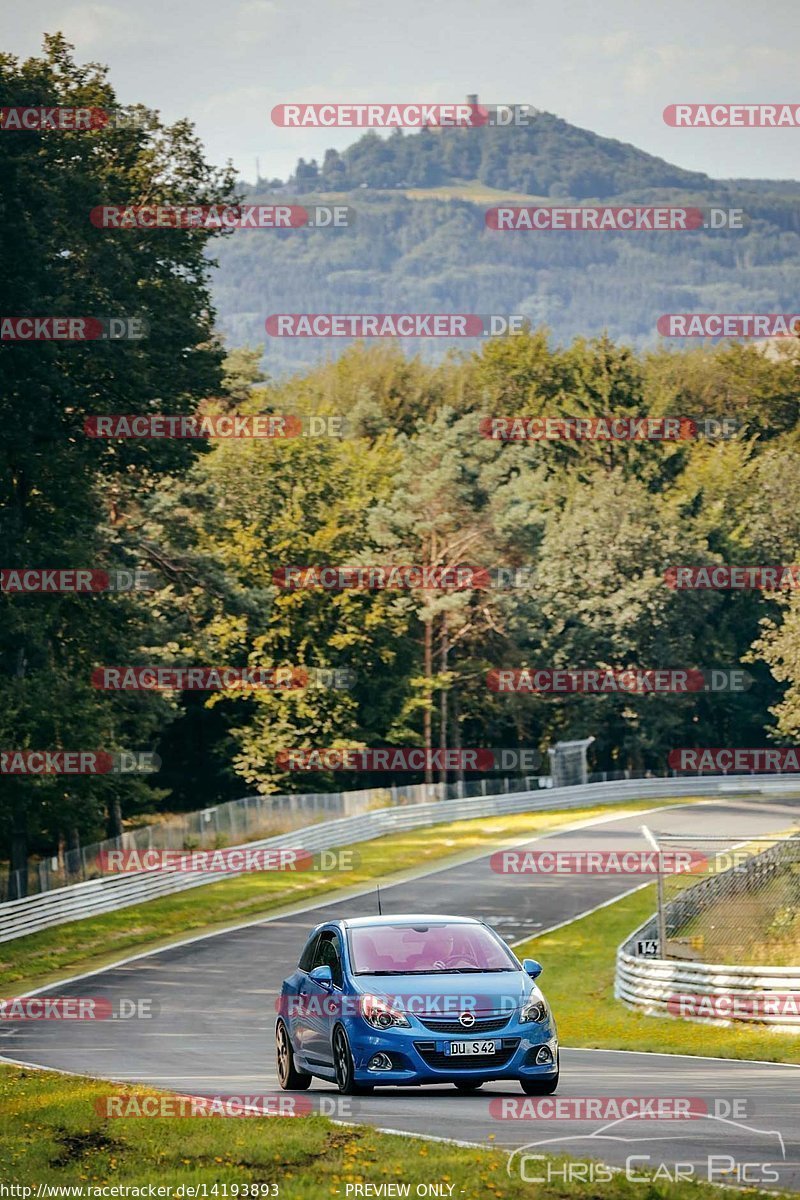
{"x": 531, "y": 967}
{"x": 322, "y": 976}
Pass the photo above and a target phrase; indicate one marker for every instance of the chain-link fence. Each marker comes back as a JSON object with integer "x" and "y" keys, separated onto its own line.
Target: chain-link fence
{"x": 568, "y": 762}
{"x": 237, "y": 822}
{"x": 727, "y": 901}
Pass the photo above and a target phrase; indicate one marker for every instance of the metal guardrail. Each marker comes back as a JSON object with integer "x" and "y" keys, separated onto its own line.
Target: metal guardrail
{"x": 112, "y": 892}
{"x": 651, "y": 985}
{"x": 238, "y": 821}
{"x": 260, "y": 816}
{"x": 670, "y": 987}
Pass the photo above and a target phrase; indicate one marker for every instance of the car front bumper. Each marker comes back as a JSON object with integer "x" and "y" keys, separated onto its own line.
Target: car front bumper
{"x": 420, "y": 1056}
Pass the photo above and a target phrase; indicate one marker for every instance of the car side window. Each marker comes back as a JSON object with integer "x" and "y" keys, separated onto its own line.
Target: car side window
{"x": 307, "y": 957}
{"x": 327, "y": 955}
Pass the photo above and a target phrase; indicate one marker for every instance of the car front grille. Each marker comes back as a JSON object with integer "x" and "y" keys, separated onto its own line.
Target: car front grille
{"x": 482, "y": 1025}
{"x": 476, "y": 1062}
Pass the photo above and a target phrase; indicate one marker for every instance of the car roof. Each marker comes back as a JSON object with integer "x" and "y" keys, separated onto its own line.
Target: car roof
{"x": 404, "y": 919}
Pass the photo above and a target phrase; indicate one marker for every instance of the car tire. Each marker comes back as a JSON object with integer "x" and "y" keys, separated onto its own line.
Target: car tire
{"x": 343, "y": 1065}
{"x": 290, "y": 1079}
{"x": 467, "y": 1086}
{"x": 539, "y": 1087}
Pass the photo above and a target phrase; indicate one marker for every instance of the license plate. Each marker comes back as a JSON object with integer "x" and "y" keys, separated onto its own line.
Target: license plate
{"x": 465, "y": 1049}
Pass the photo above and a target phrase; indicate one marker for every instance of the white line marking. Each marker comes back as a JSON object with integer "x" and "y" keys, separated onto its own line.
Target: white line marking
{"x": 425, "y": 1137}
{"x": 588, "y": 912}
{"x": 430, "y": 1137}
{"x": 432, "y": 871}
{"x": 295, "y": 911}
{"x": 763, "y": 1062}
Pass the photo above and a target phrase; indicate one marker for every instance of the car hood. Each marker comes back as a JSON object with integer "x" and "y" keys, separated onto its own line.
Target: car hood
{"x": 451, "y": 994}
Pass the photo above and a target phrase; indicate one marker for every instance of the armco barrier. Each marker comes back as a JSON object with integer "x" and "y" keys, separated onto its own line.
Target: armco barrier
{"x": 231, "y": 823}
{"x": 110, "y": 893}
{"x": 649, "y": 984}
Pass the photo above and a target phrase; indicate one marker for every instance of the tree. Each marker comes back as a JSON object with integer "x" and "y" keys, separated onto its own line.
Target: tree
{"x": 248, "y": 509}
{"x": 441, "y": 515}
{"x": 66, "y": 499}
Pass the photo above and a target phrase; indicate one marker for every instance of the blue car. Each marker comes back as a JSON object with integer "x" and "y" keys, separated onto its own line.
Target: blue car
{"x": 413, "y": 1000}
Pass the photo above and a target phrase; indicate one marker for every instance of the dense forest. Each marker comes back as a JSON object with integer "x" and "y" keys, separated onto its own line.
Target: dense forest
{"x": 544, "y": 157}
{"x": 420, "y": 243}
{"x": 406, "y": 476}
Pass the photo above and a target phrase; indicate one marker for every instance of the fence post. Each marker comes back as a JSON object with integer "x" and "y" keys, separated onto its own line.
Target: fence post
{"x": 662, "y": 923}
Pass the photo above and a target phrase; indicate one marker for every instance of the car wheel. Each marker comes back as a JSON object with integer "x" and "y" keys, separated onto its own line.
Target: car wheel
{"x": 465, "y": 1085}
{"x": 290, "y": 1079}
{"x": 343, "y": 1065}
{"x": 539, "y": 1087}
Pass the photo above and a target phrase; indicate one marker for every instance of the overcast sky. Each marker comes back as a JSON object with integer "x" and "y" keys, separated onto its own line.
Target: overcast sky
{"x": 606, "y": 65}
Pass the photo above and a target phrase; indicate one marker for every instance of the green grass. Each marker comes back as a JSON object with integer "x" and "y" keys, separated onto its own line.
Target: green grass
{"x": 42, "y": 958}
{"x": 475, "y": 192}
{"x": 579, "y": 983}
{"x": 471, "y": 190}
{"x": 52, "y": 1134}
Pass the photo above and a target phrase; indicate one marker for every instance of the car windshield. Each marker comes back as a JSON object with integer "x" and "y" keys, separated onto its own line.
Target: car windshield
{"x": 422, "y": 949}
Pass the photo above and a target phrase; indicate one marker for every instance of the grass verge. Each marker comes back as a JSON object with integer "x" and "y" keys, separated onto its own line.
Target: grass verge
{"x": 579, "y": 984}
{"x": 52, "y": 1135}
{"x": 42, "y": 958}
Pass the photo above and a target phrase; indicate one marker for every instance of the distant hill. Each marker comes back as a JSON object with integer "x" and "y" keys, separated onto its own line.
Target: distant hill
{"x": 420, "y": 244}
{"x": 548, "y": 157}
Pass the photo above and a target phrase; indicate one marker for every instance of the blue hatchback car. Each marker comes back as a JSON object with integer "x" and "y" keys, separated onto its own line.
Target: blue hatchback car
{"x": 413, "y": 1000}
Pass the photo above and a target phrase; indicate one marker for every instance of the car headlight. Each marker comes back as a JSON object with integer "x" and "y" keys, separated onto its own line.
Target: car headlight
{"x": 534, "y": 1009}
{"x": 379, "y": 1015}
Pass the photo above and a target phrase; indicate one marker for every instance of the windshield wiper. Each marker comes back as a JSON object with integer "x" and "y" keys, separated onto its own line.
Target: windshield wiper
{"x": 382, "y": 972}
{"x": 442, "y": 971}
{"x": 473, "y": 970}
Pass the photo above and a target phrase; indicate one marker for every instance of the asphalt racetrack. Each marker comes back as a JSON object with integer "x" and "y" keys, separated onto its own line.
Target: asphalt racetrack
{"x": 216, "y": 1015}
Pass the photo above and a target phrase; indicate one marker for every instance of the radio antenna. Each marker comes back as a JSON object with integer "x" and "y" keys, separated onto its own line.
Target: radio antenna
{"x": 378, "y": 890}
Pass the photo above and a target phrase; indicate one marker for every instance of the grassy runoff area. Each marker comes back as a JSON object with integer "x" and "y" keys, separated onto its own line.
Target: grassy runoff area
{"x": 764, "y": 925}
{"x": 579, "y": 984}
{"x": 78, "y": 946}
{"x": 579, "y": 959}
{"x": 52, "y": 1135}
